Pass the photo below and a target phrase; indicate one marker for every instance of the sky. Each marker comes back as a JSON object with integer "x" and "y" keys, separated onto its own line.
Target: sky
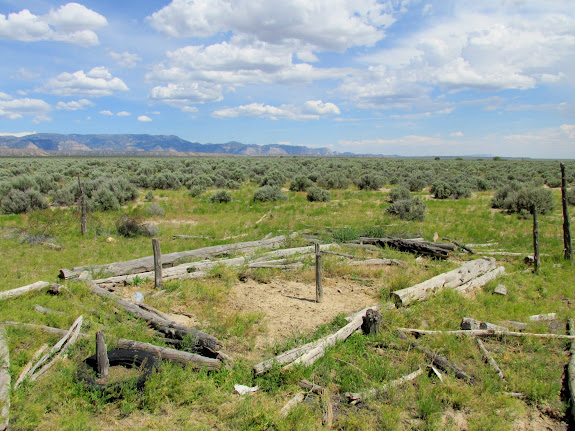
{"x": 397, "y": 77}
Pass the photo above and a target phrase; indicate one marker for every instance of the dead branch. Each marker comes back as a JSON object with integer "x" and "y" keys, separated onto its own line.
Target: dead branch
{"x": 490, "y": 358}
{"x": 357, "y": 397}
{"x": 485, "y": 333}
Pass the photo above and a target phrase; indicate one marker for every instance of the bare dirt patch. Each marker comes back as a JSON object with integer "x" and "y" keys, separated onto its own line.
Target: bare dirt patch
{"x": 290, "y": 306}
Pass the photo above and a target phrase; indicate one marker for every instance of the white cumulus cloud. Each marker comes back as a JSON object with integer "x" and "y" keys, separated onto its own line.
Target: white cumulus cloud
{"x": 123, "y": 114}
{"x": 97, "y": 82}
{"x": 14, "y": 109}
{"x": 329, "y": 24}
{"x": 311, "y": 110}
{"x": 74, "y": 105}
{"x": 72, "y": 23}
{"x": 144, "y": 118}
{"x": 107, "y": 112}
{"x": 126, "y": 59}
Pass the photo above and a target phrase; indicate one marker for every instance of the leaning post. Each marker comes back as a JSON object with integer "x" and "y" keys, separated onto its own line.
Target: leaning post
{"x": 567, "y": 244}
{"x": 157, "y": 263}
{"x": 318, "y": 286}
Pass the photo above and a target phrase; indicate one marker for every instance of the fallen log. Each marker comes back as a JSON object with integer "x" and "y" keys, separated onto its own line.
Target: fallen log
{"x": 543, "y": 317}
{"x": 284, "y": 358}
{"x": 311, "y": 387}
{"x": 298, "y": 398}
{"x": 452, "y": 279}
{"x": 286, "y": 266}
{"x": 56, "y": 351}
{"x": 26, "y": 369}
{"x": 571, "y": 368}
{"x": 439, "y": 360}
{"x": 480, "y": 281}
{"x": 469, "y": 323}
{"x": 433, "y": 249}
{"x": 145, "y": 264}
{"x": 39, "y": 285}
{"x": 461, "y": 246}
{"x": 378, "y": 262}
{"x": 171, "y": 355}
{"x": 168, "y": 327}
{"x": 490, "y": 359}
{"x": 4, "y": 382}
{"x": 164, "y": 353}
{"x": 357, "y": 397}
{"x": 317, "y": 352}
{"x": 45, "y": 310}
{"x": 190, "y": 237}
{"x": 485, "y": 333}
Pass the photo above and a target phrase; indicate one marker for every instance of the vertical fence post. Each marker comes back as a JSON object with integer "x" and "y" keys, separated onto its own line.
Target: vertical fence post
{"x": 82, "y": 206}
{"x": 157, "y": 263}
{"x": 568, "y": 246}
{"x": 536, "y": 255}
{"x": 102, "y": 356}
{"x": 318, "y": 286}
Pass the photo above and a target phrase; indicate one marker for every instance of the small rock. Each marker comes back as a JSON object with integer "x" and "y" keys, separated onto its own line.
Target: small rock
{"x": 339, "y": 291}
{"x": 138, "y": 297}
{"x": 500, "y": 290}
{"x": 110, "y": 239}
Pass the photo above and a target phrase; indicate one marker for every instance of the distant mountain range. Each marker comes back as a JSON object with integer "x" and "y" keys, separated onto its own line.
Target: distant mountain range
{"x": 57, "y": 144}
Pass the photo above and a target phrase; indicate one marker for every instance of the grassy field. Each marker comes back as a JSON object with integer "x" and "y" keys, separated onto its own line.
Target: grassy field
{"x": 183, "y": 398}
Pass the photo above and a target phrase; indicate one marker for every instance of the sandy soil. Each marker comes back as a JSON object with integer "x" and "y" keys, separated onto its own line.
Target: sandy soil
{"x": 290, "y": 307}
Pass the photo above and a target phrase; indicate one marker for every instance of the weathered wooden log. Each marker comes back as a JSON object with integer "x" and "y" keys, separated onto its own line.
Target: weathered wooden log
{"x": 284, "y": 358}
{"x": 480, "y": 281}
{"x": 55, "y": 288}
{"x": 167, "y": 327}
{"x": 469, "y": 323}
{"x": 520, "y": 326}
{"x": 490, "y": 358}
{"x": 45, "y": 310}
{"x": 461, "y": 246}
{"x": 190, "y": 237}
{"x": 311, "y": 387}
{"x": 31, "y": 362}
{"x": 484, "y": 333}
{"x": 317, "y": 352}
{"x": 39, "y": 285}
{"x": 433, "y": 249}
{"x": 298, "y": 398}
{"x": 56, "y": 352}
{"x": 571, "y": 368}
{"x": 153, "y": 310}
{"x": 378, "y": 262}
{"x": 171, "y": 355}
{"x": 164, "y": 353}
{"x": 439, "y": 360}
{"x": 4, "y": 381}
{"x": 270, "y": 265}
{"x": 145, "y": 264}
{"x": 103, "y": 362}
{"x": 543, "y": 317}
{"x": 451, "y": 279}
{"x": 357, "y": 397}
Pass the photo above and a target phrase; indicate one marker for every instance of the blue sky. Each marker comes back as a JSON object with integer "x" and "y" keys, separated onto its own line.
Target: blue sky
{"x": 399, "y": 77}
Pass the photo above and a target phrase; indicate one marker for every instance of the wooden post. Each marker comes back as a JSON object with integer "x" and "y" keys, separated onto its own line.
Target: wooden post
{"x": 102, "y": 356}
{"x": 82, "y": 206}
{"x": 4, "y": 382}
{"x": 568, "y": 246}
{"x": 318, "y": 286}
{"x": 157, "y": 263}
{"x": 536, "y": 255}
